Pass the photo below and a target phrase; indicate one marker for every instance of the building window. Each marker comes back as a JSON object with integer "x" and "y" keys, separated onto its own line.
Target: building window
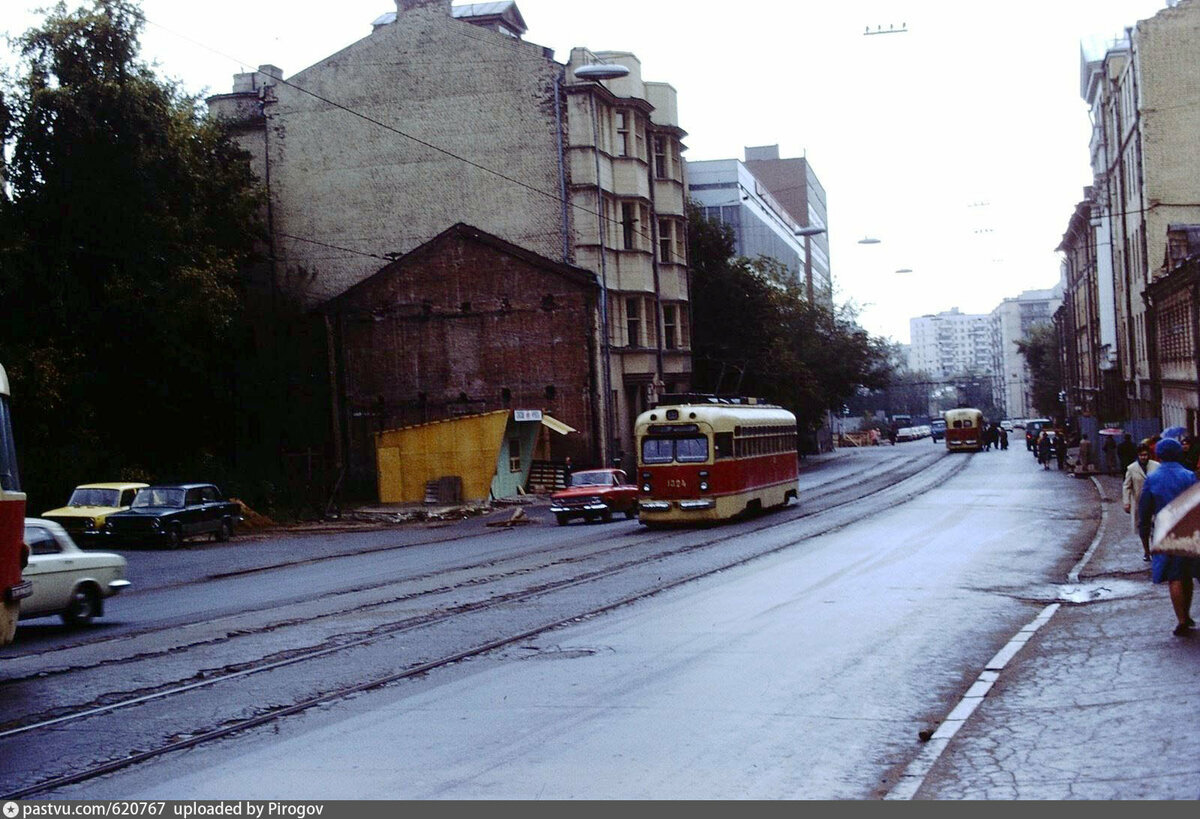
{"x": 622, "y": 133}
{"x": 666, "y": 239}
{"x": 628, "y": 225}
{"x": 661, "y": 168}
{"x": 670, "y": 327}
{"x": 514, "y": 454}
{"x": 633, "y": 321}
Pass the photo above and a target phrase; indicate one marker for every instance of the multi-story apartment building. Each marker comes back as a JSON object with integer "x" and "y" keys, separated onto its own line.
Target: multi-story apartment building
{"x": 1011, "y": 322}
{"x": 728, "y": 193}
{"x": 444, "y": 115}
{"x": 1087, "y": 320}
{"x": 794, "y": 184}
{"x": 626, "y": 181}
{"x": 1143, "y": 94}
{"x": 950, "y": 344}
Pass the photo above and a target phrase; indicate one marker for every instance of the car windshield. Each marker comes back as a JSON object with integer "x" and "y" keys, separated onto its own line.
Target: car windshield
{"x": 94, "y": 497}
{"x": 158, "y": 497}
{"x": 591, "y": 479}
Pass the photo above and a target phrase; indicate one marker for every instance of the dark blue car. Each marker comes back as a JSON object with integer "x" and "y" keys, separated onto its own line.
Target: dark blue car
{"x": 168, "y": 514}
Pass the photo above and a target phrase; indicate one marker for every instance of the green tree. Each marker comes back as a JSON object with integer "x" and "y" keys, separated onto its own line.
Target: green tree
{"x": 129, "y": 217}
{"x": 1040, "y": 349}
{"x": 755, "y": 333}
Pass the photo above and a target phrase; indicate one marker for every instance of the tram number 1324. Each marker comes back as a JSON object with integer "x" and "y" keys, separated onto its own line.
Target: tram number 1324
{"x": 703, "y": 458}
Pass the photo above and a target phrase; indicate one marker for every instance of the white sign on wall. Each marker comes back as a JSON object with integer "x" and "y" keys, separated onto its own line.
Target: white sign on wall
{"x": 527, "y": 415}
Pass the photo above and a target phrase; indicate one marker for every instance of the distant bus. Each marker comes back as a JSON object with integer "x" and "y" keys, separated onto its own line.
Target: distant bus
{"x": 964, "y": 430}
{"x": 704, "y": 458}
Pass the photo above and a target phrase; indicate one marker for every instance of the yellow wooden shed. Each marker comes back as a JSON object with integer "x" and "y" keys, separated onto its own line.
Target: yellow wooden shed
{"x": 490, "y": 453}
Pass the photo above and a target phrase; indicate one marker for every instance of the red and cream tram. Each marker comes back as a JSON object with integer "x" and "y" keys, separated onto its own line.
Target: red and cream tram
{"x": 14, "y": 554}
{"x": 964, "y": 429}
{"x": 704, "y": 458}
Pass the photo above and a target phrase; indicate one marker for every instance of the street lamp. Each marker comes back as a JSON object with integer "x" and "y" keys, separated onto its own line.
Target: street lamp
{"x": 808, "y": 232}
{"x": 598, "y": 72}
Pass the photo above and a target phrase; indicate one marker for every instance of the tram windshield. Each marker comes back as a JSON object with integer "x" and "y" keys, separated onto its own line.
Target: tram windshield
{"x": 689, "y": 450}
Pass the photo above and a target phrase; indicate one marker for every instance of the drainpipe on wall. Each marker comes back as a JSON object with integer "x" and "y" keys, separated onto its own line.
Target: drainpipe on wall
{"x": 1141, "y": 181}
{"x": 654, "y": 261}
{"x": 562, "y": 163}
{"x": 1130, "y": 329}
{"x": 1195, "y": 330}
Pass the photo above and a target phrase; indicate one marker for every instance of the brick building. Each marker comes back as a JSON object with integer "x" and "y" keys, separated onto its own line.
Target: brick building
{"x": 1173, "y": 324}
{"x": 444, "y": 115}
{"x": 1143, "y": 93}
{"x": 464, "y": 324}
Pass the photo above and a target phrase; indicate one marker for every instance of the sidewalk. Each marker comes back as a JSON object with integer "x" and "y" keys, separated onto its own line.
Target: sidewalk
{"x": 1102, "y": 703}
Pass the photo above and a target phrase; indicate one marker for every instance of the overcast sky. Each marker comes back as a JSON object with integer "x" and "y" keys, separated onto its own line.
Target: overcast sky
{"x": 961, "y": 143}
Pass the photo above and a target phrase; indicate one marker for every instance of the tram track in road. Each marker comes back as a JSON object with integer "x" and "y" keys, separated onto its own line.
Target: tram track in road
{"x": 39, "y": 664}
{"x": 442, "y": 637}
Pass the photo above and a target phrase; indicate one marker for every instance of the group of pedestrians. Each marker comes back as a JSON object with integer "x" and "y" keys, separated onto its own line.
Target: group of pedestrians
{"x": 1161, "y": 469}
{"x": 996, "y": 436}
{"x": 1051, "y": 446}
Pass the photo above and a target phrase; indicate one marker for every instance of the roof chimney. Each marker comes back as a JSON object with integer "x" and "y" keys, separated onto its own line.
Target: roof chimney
{"x": 408, "y": 5}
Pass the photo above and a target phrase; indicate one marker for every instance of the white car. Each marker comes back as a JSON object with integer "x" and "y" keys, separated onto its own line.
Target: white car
{"x": 67, "y": 581}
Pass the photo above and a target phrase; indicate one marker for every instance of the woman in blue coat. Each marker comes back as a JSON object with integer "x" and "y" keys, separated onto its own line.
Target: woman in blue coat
{"x": 1160, "y": 488}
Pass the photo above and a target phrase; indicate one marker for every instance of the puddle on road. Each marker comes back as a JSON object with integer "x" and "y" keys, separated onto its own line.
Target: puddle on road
{"x": 1098, "y": 590}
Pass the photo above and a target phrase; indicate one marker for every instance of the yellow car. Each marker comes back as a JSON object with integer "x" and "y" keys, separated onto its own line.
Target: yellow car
{"x": 90, "y": 505}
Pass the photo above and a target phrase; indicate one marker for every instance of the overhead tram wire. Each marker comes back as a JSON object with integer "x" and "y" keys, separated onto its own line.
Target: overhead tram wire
{"x": 424, "y": 143}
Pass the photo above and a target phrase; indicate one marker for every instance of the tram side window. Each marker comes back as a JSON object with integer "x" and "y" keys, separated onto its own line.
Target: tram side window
{"x": 9, "y": 478}
{"x": 723, "y": 444}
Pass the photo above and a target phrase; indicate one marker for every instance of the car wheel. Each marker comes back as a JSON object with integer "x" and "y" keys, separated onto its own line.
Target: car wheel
{"x": 84, "y": 606}
{"x": 606, "y": 516}
{"x": 174, "y": 537}
{"x": 225, "y": 532}
{"x": 562, "y": 519}
{"x": 631, "y": 513}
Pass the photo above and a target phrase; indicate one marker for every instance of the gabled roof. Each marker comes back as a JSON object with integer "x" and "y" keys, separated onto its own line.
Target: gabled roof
{"x": 505, "y": 12}
{"x": 578, "y": 275}
{"x": 502, "y": 14}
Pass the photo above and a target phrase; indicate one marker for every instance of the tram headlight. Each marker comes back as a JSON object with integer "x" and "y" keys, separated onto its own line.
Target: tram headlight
{"x": 645, "y": 487}
{"x": 703, "y": 486}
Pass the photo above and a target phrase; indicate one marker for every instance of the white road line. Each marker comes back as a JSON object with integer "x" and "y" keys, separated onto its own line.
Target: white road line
{"x": 914, "y": 775}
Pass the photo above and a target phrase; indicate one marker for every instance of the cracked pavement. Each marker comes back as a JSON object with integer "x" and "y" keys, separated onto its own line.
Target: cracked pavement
{"x": 1101, "y": 703}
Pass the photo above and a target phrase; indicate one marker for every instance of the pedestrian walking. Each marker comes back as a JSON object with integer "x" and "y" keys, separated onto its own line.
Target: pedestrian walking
{"x": 1109, "y": 451}
{"x": 1003, "y": 439}
{"x": 1191, "y": 452}
{"x": 1161, "y": 487}
{"x": 1127, "y": 452}
{"x": 1085, "y": 453}
{"x": 1060, "y": 450}
{"x": 1043, "y": 450}
{"x": 1131, "y": 489}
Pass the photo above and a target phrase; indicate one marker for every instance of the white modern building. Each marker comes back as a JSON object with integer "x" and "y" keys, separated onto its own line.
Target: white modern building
{"x": 951, "y": 343}
{"x": 1011, "y": 322}
{"x": 728, "y": 193}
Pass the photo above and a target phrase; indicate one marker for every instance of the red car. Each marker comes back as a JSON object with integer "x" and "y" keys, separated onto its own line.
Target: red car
{"x": 595, "y": 493}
